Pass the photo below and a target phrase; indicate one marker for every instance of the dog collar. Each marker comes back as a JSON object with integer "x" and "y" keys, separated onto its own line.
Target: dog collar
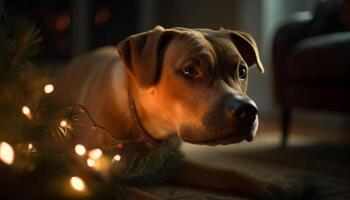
{"x": 142, "y": 132}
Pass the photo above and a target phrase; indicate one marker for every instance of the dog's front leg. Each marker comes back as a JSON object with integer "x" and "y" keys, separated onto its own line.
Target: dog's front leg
{"x": 225, "y": 181}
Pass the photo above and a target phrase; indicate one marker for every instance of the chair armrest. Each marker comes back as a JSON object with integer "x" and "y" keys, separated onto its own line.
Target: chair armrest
{"x": 321, "y": 57}
{"x": 288, "y": 34}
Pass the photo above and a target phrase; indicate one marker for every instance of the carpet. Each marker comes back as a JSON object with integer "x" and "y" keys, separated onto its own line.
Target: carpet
{"x": 317, "y": 169}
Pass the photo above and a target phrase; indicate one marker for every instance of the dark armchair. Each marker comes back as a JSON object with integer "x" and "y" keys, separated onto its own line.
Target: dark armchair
{"x": 311, "y": 62}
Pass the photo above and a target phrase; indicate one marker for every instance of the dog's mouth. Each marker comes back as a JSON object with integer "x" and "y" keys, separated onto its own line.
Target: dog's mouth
{"x": 222, "y": 136}
{"x": 230, "y": 139}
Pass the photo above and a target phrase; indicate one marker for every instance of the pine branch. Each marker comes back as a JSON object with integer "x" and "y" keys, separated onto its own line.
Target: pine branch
{"x": 26, "y": 47}
{"x": 19, "y": 42}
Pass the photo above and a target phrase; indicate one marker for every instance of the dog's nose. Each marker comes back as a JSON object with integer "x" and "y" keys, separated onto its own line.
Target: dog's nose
{"x": 244, "y": 111}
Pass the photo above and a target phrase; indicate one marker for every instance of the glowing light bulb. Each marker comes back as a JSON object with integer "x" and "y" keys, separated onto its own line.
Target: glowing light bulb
{"x": 63, "y": 123}
{"x": 90, "y": 162}
{"x": 120, "y": 145}
{"x": 7, "y": 155}
{"x": 95, "y": 154}
{"x": 77, "y": 183}
{"x": 80, "y": 149}
{"x": 30, "y": 146}
{"x": 26, "y": 111}
{"x": 117, "y": 158}
{"x": 49, "y": 88}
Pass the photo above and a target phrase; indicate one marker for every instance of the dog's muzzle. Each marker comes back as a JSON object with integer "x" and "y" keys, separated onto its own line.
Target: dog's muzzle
{"x": 233, "y": 117}
{"x": 243, "y": 112}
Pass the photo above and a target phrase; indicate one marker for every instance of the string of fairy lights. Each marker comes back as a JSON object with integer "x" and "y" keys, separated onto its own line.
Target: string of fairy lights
{"x": 94, "y": 158}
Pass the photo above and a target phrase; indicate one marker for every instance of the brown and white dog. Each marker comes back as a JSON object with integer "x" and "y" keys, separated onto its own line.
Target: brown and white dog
{"x": 189, "y": 83}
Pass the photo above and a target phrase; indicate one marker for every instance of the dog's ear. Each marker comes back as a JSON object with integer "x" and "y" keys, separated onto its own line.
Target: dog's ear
{"x": 141, "y": 55}
{"x": 247, "y": 47}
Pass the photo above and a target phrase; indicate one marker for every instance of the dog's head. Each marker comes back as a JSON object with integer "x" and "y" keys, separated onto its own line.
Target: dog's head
{"x": 194, "y": 81}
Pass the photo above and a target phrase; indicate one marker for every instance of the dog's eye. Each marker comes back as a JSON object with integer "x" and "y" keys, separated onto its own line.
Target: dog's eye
{"x": 242, "y": 72}
{"x": 190, "y": 71}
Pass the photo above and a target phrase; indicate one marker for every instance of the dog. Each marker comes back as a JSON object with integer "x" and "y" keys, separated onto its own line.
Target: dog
{"x": 185, "y": 83}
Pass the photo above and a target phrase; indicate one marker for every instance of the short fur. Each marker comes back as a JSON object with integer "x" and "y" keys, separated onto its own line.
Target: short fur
{"x": 203, "y": 110}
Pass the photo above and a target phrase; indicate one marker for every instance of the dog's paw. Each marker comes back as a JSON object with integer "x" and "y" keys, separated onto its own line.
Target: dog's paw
{"x": 268, "y": 191}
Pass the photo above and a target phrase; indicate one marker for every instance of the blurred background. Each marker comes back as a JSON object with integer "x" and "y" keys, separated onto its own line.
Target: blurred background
{"x": 304, "y": 44}
{"x": 71, "y": 27}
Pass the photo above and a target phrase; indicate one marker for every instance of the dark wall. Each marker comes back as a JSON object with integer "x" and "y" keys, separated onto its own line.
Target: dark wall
{"x": 71, "y": 27}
